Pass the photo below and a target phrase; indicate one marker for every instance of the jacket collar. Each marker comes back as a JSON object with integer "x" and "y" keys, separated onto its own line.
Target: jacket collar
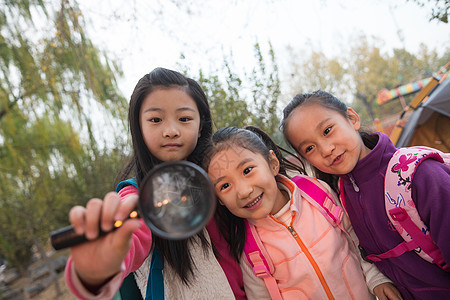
{"x": 372, "y": 163}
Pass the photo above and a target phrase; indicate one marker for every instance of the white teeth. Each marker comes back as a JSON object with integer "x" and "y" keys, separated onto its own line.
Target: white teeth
{"x": 254, "y": 202}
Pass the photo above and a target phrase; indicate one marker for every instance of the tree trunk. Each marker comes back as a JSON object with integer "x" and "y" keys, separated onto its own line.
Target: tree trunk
{"x": 367, "y": 104}
{"x": 52, "y": 273}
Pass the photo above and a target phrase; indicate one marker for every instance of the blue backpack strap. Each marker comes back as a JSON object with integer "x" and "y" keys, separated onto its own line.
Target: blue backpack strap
{"x": 124, "y": 183}
{"x": 129, "y": 289}
{"x": 155, "y": 281}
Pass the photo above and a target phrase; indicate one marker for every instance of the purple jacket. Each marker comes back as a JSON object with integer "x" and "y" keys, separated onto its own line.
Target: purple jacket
{"x": 414, "y": 277}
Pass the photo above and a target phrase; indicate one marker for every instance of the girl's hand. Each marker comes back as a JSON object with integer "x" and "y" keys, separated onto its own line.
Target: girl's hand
{"x": 387, "y": 291}
{"x": 100, "y": 259}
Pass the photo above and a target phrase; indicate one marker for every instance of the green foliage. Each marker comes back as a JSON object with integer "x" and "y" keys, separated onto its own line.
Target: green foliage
{"x": 49, "y": 157}
{"x": 255, "y": 102}
{"x": 228, "y": 107}
{"x": 265, "y": 92}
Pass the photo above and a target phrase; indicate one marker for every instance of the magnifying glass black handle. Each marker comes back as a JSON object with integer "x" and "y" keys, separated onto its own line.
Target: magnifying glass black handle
{"x": 66, "y": 237}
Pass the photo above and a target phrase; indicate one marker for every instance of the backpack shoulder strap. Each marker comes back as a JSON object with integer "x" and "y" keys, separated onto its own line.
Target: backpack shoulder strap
{"x": 319, "y": 197}
{"x": 129, "y": 289}
{"x": 401, "y": 210}
{"x": 155, "y": 281}
{"x": 124, "y": 183}
{"x": 259, "y": 260}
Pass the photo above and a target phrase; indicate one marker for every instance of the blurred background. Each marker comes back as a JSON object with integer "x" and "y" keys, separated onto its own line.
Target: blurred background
{"x": 68, "y": 68}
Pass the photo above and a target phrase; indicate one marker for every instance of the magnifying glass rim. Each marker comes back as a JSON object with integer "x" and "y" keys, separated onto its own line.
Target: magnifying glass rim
{"x": 208, "y": 189}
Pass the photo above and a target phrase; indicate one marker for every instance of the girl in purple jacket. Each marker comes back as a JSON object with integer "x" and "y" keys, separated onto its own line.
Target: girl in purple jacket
{"x": 325, "y": 133}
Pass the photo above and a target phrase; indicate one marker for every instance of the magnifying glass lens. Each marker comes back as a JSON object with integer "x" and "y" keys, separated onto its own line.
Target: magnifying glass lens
{"x": 177, "y": 200}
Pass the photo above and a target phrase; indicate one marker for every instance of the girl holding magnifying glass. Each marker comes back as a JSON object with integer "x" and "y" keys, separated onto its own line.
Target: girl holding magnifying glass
{"x": 169, "y": 120}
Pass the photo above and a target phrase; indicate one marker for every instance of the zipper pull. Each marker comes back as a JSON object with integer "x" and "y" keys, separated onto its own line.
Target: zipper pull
{"x": 355, "y": 187}
{"x": 292, "y": 230}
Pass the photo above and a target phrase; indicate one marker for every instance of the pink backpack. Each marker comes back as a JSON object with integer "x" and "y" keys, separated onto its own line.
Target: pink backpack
{"x": 254, "y": 250}
{"x": 401, "y": 209}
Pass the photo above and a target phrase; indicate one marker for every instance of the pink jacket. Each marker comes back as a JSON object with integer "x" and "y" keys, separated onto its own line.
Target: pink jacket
{"x": 315, "y": 260}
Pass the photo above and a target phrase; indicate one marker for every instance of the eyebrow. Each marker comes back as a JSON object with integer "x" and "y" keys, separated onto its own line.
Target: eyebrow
{"x": 319, "y": 125}
{"x": 237, "y": 167}
{"x": 177, "y": 110}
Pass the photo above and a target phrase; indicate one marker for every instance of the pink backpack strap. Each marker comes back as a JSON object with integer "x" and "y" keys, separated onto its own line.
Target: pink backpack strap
{"x": 341, "y": 193}
{"x": 401, "y": 209}
{"x": 259, "y": 260}
{"x": 320, "y": 197}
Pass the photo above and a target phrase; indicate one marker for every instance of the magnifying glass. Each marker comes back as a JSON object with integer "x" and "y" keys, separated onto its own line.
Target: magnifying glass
{"x": 176, "y": 201}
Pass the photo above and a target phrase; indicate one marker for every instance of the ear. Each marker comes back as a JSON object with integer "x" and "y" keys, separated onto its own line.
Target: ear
{"x": 200, "y": 130}
{"x": 354, "y": 118}
{"x": 274, "y": 163}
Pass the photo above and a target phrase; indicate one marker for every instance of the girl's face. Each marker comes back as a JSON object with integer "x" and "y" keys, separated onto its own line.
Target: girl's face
{"x": 245, "y": 182}
{"x": 326, "y": 139}
{"x": 170, "y": 124}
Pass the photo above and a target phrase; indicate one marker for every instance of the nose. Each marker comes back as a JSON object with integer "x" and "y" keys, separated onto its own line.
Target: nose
{"x": 327, "y": 149}
{"x": 244, "y": 189}
{"x": 171, "y": 130}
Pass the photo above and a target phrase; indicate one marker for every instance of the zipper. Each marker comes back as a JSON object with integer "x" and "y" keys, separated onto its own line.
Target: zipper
{"x": 352, "y": 180}
{"x": 308, "y": 256}
{"x": 312, "y": 261}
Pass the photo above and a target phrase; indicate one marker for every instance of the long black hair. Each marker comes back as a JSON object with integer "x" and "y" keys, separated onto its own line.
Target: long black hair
{"x": 176, "y": 253}
{"x": 256, "y": 141}
{"x": 331, "y": 102}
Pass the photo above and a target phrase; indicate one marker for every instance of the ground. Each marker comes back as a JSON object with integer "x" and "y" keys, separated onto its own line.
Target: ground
{"x": 50, "y": 292}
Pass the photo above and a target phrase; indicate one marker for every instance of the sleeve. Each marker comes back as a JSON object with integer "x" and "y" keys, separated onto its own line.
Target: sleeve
{"x": 372, "y": 275}
{"x": 140, "y": 248}
{"x": 107, "y": 291}
{"x": 431, "y": 194}
{"x": 255, "y": 288}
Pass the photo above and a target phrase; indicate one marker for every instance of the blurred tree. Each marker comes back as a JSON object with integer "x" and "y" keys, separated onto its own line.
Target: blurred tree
{"x": 363, "y": 70}
{"x": 51, "y": 77}
{"x": 233, "y": 104}
{"x": 224, "y": 92}
{"x": 316, "y": 72}
{"x": 265, "y": 92}
{"x": 439, "y": 11}
{"x": 369, "y": 71}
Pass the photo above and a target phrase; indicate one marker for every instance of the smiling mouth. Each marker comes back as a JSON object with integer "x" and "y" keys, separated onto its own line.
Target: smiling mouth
{"x": 254, "y": 202}
{"x": 336, "y": 160}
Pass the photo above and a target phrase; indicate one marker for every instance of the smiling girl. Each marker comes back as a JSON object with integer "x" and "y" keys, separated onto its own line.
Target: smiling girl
{"x": 326, "y": 133}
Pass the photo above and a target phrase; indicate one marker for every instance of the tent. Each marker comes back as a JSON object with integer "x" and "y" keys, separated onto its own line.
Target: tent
{"x": 429, "y": 123}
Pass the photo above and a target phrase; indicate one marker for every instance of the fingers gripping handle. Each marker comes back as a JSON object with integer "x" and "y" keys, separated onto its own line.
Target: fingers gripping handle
{"x": 66, "y": 237}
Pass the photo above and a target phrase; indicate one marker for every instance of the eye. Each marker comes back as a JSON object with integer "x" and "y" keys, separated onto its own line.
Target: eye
{"x": 155, "y": 120}
{"x": 327, "y": 130}
{"x": 185, "y": 119}
{"x": 247, "y": 170}
{"x": 224, "y": 186}
{"x": 309, "y": 148}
